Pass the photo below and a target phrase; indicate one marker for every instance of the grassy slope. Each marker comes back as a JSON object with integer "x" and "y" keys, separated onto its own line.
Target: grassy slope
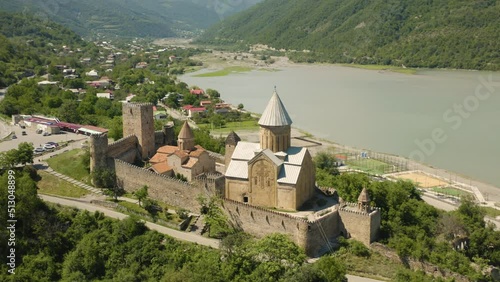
{"x": 69, "y": 164}
{"x": 51, "y": 185}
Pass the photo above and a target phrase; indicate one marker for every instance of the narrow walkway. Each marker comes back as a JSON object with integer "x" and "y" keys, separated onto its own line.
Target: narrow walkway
{"x": 185, "y": 236}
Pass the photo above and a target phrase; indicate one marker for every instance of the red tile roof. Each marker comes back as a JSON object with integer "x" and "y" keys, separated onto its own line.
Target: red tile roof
{"x": 197, "y": 91}
{"x": 167, "y": 149}
{"x": 161, "y": 168}
{"x": 158, "y": 158}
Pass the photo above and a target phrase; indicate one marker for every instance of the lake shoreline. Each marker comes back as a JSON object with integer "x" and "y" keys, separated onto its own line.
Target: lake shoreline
{"x": 343, "y": 88}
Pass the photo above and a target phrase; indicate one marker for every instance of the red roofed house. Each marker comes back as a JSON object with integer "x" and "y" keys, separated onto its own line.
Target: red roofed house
{"x": 190, "y": 110}
{"x": 205, "y": 103}
{"x": 197, "y": 91}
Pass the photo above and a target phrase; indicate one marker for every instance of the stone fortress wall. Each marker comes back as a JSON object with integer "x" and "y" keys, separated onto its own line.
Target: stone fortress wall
{"x": 316, "y": 236}
{"x": 359, "y": 225}
{"x": 124, "y": 149}
{"x": 162, "y": 188}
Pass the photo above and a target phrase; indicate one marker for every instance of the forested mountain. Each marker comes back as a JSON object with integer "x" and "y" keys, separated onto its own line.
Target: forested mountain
{"x": 28, "y": 44}
{"x": 416, "y": 33}
{"x": 134, "y": 18}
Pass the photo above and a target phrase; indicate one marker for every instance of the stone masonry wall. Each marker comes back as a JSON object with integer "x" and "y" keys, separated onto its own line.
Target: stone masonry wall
{"x": 261, "y": 222}
{"x": 322, "y": 232}
{"x": 313, "y": 237}
{"x": 359, "y": 225}
{"x": 162, "y": 188}
{"x": 120, "y": 147}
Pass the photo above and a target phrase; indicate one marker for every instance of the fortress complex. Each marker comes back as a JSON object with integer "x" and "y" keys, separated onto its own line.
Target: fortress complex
{"x": 260, "y": 177}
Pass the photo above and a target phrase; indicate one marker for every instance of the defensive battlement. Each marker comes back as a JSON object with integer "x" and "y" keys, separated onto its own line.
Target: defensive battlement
{"x": 245, "y": 205}
{"x": 122, "y": 141}
{"x": 344, "y": 209}
{"x": 98, "y": 137}
{"x": 137, "y": 105}
{"x": 324, "y": 216}
{"x": 156, "y": 174}
{"x": 209, "y": 176}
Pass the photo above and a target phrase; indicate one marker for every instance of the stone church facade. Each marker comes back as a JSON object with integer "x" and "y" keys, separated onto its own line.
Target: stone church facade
{"x": 271, "y": 173}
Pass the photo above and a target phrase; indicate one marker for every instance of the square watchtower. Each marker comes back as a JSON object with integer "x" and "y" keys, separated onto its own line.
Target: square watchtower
{"x": 138, "y": 120}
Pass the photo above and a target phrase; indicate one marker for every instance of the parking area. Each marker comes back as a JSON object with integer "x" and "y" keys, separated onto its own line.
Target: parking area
{"x": 31, "y": 136}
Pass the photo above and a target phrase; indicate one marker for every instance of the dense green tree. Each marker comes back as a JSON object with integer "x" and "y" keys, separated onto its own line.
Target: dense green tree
{"x": 217, "y": 222}
{"x": 141, "y": 194}
{"x": 24, "y": 153}
{"x": 331, "y": 269}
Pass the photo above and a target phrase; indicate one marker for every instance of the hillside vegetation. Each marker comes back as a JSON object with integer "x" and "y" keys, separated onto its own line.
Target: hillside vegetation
{"x": 420, "y": 33}
{"x": 28, "y": 44}
{"x": 131, "y": 18}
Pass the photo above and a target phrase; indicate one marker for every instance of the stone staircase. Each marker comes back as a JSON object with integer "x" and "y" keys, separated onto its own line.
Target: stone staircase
{"x": 73, "y": 181}
{"x": 197, "y": 225}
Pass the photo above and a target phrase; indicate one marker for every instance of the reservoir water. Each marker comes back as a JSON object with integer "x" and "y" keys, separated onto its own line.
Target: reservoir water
{"x": 448, "y": 119}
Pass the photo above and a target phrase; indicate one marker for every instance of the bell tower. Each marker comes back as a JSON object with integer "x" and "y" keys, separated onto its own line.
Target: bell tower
{"x": 185, "y": 140}
{"x": 364, "y": 201}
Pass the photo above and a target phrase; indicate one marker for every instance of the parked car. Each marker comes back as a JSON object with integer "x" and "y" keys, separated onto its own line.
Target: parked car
{"x": 39, "y": 150}
{"x": 53, "y": 143}
{"x": 49, "y": 147}
{"x": 46, "y": 134}
{"x": 23, "y": 127}
{"x": 38, "y": 131}
{"x": 14, "y": 136}
{"x": 24, "y": 133}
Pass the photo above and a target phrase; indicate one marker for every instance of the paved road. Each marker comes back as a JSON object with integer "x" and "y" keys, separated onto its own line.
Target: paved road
{"x": 84, "y": 205}
{"x": 352, "y": 278}
{"x": 439, "y": 204}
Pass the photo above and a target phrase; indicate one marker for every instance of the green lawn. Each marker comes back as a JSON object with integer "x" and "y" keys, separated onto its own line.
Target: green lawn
{"x": 52, "y": 185}
{"x": 369, "y": 166}
{"x": 69, "y": 163}
{"x": 382, "y": 68}
{"x": 232, "y": 126}
{"x": 225, "y": 71}
{"x": 450, "y": 191}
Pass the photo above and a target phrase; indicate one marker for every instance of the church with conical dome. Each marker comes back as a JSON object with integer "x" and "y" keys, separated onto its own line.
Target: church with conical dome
{"x": 271, "y": 173}
{"x": 186, "y": 159}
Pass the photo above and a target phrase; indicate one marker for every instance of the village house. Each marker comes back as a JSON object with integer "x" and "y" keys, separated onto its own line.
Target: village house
{"x": 92, "y": 74}
{"x": 191, "y": 110}
{"x": 197, "y": 92}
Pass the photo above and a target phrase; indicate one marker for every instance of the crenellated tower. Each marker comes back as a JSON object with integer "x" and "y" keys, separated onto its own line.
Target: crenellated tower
{"x": 275, "y": 126}
{"x": 98, "y": 151}
{"x": 138, "y": 120}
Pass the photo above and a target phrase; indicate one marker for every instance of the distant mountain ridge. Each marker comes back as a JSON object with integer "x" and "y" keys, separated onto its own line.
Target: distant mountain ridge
{"x": 418, "y": 33}
{"x": 131, "y": 18}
